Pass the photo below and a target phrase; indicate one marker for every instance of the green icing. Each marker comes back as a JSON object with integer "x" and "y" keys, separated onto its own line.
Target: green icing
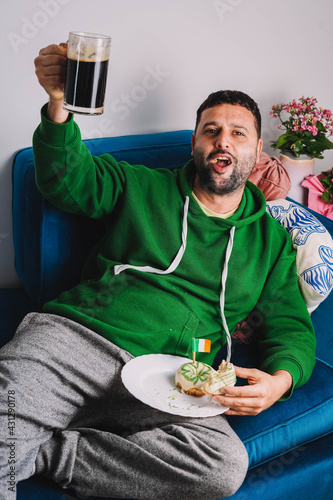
{"x": 194, "y": 373}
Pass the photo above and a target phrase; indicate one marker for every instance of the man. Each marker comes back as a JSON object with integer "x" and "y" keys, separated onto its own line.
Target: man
{"x": 186, "y": 253}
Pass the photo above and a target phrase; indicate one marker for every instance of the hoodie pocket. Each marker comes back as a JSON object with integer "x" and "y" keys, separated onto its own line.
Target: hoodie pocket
{"x": 139, "y": 316}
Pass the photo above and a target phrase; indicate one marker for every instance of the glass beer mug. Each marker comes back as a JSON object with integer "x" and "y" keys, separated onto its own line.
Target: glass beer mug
{"x": 87, "y": 67}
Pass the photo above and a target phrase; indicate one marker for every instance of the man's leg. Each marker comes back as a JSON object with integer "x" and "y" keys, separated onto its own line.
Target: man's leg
{"x": 153, "y": 455}
{"x": 53, "y": 372}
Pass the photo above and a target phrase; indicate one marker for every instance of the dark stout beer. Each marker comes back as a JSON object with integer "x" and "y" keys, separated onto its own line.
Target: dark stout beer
{"x": 87, "y": 66}
{"x": 86, "y": 83}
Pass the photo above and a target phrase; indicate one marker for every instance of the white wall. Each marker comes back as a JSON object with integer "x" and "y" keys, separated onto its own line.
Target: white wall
{"x": 275, "y": 50}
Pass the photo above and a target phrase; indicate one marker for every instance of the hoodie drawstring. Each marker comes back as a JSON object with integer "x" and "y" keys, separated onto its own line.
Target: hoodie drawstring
{"x": 174, "y": 264}
{"x": 176, "y": 261}
{"x": 222, "y": 295}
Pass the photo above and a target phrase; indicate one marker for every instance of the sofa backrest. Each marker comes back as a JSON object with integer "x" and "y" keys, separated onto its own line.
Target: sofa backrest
{"x": 51, "y": 246}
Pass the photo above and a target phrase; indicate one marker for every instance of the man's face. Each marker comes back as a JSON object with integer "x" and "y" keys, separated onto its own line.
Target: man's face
{"x": 225, "y": 148}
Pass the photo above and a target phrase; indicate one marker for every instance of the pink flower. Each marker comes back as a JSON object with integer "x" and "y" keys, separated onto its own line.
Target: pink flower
{"x": 304, "y": 115}
{"x": 327, "y": 113}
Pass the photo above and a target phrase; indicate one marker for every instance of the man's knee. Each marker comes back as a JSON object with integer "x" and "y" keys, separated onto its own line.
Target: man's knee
{"x": 217, "y": 464}
{"x": 238, "y": 467}
{"x": 227, "y": 472}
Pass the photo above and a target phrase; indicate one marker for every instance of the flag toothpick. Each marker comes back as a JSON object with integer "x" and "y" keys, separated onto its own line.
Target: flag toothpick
{"x": 200, "y": 345}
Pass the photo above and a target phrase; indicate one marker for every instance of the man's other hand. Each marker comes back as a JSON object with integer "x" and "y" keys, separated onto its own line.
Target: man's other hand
{"x": 262, "y": 391}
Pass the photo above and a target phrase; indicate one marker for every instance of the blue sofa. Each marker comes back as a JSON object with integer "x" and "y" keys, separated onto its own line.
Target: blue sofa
{"x": 290, "y": 445}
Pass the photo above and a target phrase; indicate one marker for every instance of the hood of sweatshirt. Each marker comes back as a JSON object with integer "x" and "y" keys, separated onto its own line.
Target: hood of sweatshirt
{"x": 251, "y": 208}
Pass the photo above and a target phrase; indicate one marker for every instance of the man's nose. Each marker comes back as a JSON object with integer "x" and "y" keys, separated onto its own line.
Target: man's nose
{"x": 221, "y": 141}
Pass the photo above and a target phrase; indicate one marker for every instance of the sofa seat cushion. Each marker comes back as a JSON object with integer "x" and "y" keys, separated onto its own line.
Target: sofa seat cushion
{"x": 303, "y": 418}
{"x": 305, "y": 473}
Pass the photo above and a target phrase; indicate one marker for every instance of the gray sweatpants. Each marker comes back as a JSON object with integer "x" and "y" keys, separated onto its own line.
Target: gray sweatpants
{"x": 65, "y": 410}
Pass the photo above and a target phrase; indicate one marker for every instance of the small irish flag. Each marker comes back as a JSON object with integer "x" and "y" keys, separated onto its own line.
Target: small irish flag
{"x": 200, "y": 345}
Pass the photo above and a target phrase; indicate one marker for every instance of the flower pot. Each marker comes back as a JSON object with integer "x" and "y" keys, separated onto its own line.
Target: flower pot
{"x": 298, "y": 169}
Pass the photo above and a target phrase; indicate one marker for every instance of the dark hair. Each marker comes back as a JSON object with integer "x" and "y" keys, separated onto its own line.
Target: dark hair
{"x": 231, "y": 97}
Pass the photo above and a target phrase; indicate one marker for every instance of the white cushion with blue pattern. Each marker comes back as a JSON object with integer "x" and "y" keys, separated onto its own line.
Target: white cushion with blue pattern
{"x": 314, "y": 247}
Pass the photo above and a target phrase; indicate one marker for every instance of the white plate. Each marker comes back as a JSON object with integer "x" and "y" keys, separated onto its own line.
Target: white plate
{"x": 151, "y": 379}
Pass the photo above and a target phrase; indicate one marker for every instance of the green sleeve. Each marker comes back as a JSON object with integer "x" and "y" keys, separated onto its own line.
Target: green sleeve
{"x": 287, "y": 338}
{"x": 69, "y": 176}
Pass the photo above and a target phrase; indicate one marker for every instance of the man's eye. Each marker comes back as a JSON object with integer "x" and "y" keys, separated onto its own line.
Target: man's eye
{"x": 210, "y": 131}
{"x": 237, "y": 132}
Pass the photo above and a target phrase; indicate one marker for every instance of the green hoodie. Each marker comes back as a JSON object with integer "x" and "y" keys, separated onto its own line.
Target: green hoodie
{"x": 165, "y": 272}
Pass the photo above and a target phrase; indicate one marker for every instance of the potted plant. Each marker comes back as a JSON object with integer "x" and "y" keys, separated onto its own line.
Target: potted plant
{"x": 306, "y": 130}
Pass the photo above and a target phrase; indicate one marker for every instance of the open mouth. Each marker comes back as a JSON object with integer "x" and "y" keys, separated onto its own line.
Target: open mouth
{"x": 222, "y": 161}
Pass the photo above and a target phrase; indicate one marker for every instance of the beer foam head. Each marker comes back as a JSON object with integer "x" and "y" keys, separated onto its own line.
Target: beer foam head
{"x": 88, "y": 46}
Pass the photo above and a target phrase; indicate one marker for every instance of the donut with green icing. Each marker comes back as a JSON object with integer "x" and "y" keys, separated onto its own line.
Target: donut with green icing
{"x": 198, "y": 379}
{"x": 191, "y": 377}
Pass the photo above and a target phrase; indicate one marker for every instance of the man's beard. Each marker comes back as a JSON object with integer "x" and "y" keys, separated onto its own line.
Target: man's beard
{"x": 219, "y": 183}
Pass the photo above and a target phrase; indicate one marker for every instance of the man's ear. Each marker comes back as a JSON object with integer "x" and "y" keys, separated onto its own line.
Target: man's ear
{"x": 259, "y": 148}
{"x": 193, "y": 141}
